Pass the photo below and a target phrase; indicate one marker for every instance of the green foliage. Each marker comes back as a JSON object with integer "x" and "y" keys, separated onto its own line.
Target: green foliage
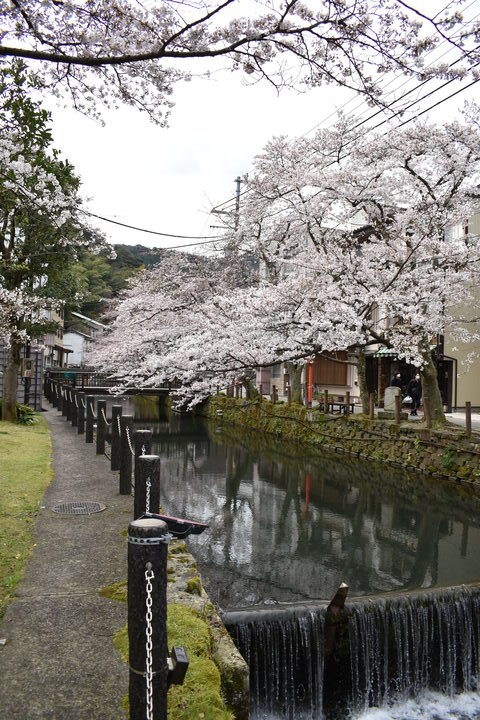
{"x": 98, "y": 278}
{"x": 449, "y": 459}
{"x": 25, "y": 414}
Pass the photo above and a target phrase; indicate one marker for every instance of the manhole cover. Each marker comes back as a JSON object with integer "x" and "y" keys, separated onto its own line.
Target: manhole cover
{"x": 85, "y": 507}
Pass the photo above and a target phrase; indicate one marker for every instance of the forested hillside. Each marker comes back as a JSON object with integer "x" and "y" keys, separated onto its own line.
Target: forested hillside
{"x": 98, "y": 278}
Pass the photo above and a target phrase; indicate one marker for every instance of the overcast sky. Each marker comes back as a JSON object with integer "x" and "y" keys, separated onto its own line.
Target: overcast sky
{"x": 168, "y": 179}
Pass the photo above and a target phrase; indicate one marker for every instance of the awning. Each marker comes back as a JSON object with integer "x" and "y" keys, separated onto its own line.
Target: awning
{"x": 385, "y": 353}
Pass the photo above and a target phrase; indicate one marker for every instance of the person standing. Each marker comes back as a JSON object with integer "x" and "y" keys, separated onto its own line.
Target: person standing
{"x": 414, "y": 389}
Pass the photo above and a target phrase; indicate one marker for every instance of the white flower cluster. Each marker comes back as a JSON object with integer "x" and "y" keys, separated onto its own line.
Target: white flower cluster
{"x": 122, "y": 51}
{"x": 350, "y": 253}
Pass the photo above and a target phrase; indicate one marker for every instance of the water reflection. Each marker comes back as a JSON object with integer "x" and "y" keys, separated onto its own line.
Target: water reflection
{"x": 286, "y": 527}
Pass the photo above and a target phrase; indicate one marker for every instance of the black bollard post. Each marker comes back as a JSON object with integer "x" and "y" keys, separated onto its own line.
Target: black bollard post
{"x": 101, "y": 426}
{"x": 142, "y": 445}
{"x": 90, "y": 417}
{"x": 126, "y": 454}
{"x": 62, "y": 399}
{"x": 68, "y": 413}
{"x": 81, "y": 413}
{"x": 54, "y": 393}
{"x": 115, "y": 454}
{"x": 74, "y": 409}
{"x": 147, "y": 486}
{"x": 147, "y": 618}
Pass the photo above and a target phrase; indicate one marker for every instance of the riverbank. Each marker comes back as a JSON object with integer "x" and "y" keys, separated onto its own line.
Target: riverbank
{"x": 25, "y": 472}
{"x": 445, "y": 452}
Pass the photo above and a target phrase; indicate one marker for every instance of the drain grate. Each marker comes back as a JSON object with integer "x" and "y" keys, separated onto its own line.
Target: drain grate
{"x": 79, "y": 507}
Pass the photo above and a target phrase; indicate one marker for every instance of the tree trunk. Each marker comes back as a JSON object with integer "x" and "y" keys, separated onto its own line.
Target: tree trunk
{"x": 10, "y": 382}
{"x": 362, "y": 380}
{"x": 250, "y": 388}
{"x": 430, "y": 389}
{"x": 295, "y": 374}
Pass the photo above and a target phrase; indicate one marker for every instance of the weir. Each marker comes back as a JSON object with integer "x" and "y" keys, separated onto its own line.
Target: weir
{"x": 387, "y": 648}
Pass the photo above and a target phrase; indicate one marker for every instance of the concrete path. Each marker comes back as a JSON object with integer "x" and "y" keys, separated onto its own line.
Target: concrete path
{"x": 59, "y": 662}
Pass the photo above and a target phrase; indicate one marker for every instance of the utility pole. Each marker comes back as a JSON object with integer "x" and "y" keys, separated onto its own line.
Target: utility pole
{"x": 229, "y": 213}
{"x": 238, "y": 181}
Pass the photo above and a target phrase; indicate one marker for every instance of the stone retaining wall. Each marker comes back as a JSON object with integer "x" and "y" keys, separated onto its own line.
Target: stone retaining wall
{"x": 445, "y": 452}
{"x": 185, "y": 588}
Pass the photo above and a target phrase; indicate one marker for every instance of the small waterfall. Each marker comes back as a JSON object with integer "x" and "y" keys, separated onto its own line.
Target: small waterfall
{"x": 387, "y": 649}
{"x": 285, "y": 656}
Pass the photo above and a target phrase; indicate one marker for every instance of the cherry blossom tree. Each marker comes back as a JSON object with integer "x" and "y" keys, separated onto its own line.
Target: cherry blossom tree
{"x": 125, "y": 51}
{"x": 376, "y": 220}
{"x": 41, "y": 227}
{"x": 354, "y": 249}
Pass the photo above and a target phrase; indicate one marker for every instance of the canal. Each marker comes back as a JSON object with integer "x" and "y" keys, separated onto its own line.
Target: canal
{"x": 286, "y": 528}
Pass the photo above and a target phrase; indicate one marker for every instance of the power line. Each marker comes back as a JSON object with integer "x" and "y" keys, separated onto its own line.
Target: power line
{"x": 386, "y": 107}
{"x": 156, "y": 232}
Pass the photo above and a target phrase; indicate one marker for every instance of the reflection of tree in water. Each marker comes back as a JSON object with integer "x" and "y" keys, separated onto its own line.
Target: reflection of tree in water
{"x": 287, "y": 525}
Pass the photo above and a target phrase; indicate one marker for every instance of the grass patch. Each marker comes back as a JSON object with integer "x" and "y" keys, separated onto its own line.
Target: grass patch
{"x": 200, "y": 695}
{"x": 25, "y": 472}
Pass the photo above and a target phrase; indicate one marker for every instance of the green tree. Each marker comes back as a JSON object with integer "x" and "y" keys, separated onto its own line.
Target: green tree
{"x": 40, "y": 229}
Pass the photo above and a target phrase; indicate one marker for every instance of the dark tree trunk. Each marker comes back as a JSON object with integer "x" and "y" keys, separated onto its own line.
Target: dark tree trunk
{"x": 10, "y": 381}
{"x": 250, "y": 388}
{"x": 430, "y": 389}
{"x": 295, "y": 373}
{"x": 362, "y": 380}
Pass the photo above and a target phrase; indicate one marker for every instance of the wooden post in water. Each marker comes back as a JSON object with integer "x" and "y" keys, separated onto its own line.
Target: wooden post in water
{"x": 337, "y": 604}
{"x": 126, "y": 454}
{"x": 101, "y": 426}
{"x": 90, "y": 417}
{"x": 468, "y": 418}
{"x": 347, "y": 403}
{"x": 274, "y": 389}
{"x": 398, "y": 408}
{"x": 289, "y": 394}
{"x": 147, "y": 486}
{"x": 115, "y": 454}
{"x": 371, "y": 408}
{"x": 147, "y": 579}
{"x": 325, "y": 402}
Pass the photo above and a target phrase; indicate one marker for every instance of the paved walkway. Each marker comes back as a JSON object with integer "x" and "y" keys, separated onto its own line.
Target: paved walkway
{"x": 59, "y": 662}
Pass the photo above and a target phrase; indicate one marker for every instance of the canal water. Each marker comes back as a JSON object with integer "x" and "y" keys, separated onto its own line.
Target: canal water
{"x": 286, "y": 528}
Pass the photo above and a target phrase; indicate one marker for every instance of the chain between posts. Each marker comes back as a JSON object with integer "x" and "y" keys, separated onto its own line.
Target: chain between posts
{"x": 119, "y": 427}
{"x": 92, "y": 410}
{"x": 127, "y": 432}
{"x": 149, "y": 575}
{"x": 83, "y": 403}
{"x": 148, "y": 486}
{"x": 105, "y": 419}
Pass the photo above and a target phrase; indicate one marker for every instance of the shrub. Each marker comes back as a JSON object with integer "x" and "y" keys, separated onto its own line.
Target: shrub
{"x": 25, "y": 414}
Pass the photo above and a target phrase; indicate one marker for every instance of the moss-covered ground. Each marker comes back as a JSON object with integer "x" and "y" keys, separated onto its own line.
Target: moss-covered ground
{"x": 25, "y": 472}
{"x": 200, "y": 695}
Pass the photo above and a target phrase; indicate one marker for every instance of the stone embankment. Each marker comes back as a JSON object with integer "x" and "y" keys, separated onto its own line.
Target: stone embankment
{"x": 217, "y": 680}
{"x": 445, "y": 452}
